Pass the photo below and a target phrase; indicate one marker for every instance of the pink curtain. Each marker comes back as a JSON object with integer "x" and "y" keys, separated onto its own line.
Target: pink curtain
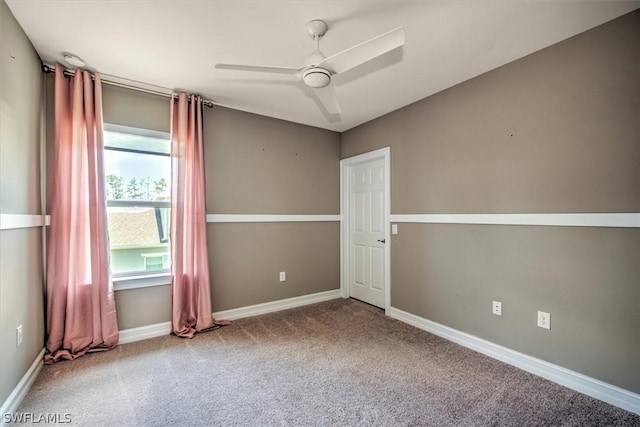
{"x": 81, "y": 313}
{"x": 190, "y": 285}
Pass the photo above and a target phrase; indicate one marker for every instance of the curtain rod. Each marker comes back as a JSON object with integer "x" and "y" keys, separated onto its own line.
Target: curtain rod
{"x": 51, "y": 69}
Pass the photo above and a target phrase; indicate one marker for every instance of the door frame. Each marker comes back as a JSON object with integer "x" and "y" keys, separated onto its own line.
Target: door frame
{"x": 345, "y": 194}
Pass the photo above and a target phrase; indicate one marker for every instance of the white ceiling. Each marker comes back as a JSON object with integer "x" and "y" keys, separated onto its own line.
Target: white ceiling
{"x": 176, "y": 44}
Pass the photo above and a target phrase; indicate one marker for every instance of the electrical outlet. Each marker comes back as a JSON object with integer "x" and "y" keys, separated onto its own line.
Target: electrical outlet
{"x": 544, "y": 320}
{"x": 283, "y": 276}
{"x": 497, "y": 308}
{"x": 19, "y": 336}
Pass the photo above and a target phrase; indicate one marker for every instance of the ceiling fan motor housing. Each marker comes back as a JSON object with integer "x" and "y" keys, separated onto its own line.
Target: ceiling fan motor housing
{"x": 316, "y": 77}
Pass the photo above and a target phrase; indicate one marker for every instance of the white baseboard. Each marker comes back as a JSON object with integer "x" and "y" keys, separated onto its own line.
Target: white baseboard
{"x": 20, "y": 391}
{"x": 164, "y": 328}
{"x": 144, "y": 332}
{"x": 270, "y": 307}
{"x": 590, "y": 386}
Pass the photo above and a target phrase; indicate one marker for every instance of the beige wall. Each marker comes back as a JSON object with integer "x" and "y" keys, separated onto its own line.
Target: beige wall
{"x": 557, "y": 131}
{"x": 143, "y": 306}
{"x": 246, "y": 260}
{"x": 554, "y": 132}
{"x": 21, "y": 284}
{"x": 587, "y": 278}
{"x": 260, "y": 165}
{"x": 127, "y": 107}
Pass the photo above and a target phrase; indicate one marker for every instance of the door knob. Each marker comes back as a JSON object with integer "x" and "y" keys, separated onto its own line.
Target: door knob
{"x": 382, "y": 241}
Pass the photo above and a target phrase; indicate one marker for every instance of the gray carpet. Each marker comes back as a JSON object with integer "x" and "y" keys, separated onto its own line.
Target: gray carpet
{"x": 340, "y": 362}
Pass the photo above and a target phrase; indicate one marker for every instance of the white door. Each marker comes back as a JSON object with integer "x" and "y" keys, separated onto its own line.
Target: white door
{"x": 367, "y": 232}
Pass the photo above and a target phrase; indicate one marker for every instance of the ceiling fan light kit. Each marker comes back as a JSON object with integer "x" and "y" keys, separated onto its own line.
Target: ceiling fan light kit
{"x": 317, "y": 69}
{"x": 316, "y": 77}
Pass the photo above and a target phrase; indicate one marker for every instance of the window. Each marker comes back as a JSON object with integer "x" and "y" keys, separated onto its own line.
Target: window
{"x": 137, "y": 169}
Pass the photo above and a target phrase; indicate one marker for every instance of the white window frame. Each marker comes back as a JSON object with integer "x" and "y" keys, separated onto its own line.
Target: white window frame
{"x": 139, "y": 279}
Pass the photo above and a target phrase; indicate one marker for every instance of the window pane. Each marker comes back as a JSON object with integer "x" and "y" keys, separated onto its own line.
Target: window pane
{"x": 139, "y": 239}
{"x": 135, "y": 176}
{"x": 137, "y": 168}
{"x": 137, "y": 142}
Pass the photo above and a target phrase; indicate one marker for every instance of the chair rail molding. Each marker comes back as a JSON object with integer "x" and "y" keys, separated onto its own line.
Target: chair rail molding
{"x": 621, "y": 220}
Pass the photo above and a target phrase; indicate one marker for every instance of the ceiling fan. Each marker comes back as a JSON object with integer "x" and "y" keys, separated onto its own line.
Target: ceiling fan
{"x": 317, "y": 69}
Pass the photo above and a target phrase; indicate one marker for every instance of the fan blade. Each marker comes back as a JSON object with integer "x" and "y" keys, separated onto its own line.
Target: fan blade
{"x": 279, "y": 70}
{"x": 363, "y": 52}
{"x": 328, "y": 98}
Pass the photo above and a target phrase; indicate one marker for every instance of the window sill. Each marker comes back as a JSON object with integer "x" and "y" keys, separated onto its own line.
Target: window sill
{"x": 135, "y": 282}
